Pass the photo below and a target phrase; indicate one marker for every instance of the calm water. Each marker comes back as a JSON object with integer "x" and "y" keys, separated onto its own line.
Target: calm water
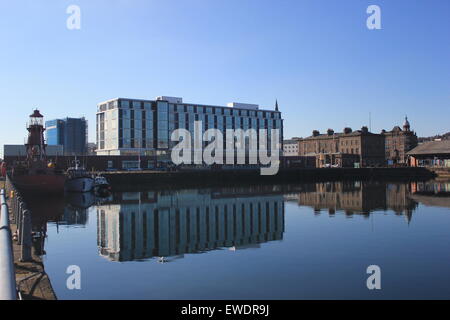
{"x": 309, "y": 241}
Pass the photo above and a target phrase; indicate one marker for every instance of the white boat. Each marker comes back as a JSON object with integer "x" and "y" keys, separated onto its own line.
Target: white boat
{"x": 101, "y": 184}
{"x": 78, "y": 179}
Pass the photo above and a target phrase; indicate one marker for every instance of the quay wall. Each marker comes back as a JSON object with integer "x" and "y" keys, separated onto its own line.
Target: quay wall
{"x": 241, "y": 177}
{"x": 32, "y": 281}
{"x": 443, "y": 173}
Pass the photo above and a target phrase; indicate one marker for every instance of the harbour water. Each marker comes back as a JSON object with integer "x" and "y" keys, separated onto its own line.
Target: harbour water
{"x": 304, "y": 241}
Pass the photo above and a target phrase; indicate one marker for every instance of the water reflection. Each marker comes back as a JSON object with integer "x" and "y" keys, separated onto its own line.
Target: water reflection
{"x": 432, "y": 194}
{"x": 355, "y": 197}
{"x": 169, "y": 224}
{"x": 143, "y": 225}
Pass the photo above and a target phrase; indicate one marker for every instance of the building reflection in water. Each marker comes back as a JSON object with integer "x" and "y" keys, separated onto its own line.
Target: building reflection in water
{"x": 142, "y": 225}
{"x": 72, "y": 211}
{"x": 435, "y": 194}
{"x": 356, "y": 197}
{"x": 168, "y": 224}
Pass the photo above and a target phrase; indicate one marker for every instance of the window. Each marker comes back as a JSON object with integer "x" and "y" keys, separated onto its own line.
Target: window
{"x": 126, "y": 165}
{"x": 162, "y": 125}
{"x": 136, "y": 104}
{"x": 112, "y": 105}
{"x": 162, "y": 116}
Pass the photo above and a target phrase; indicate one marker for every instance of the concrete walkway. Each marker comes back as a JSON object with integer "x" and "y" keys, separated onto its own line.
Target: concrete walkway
{"x": 38, "y": 286}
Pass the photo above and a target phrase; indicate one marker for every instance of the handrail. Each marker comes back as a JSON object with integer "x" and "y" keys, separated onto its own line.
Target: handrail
{"x": 7, "y": 272}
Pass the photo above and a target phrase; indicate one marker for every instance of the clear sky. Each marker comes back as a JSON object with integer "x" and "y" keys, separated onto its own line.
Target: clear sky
{"x": 316, "y": 57}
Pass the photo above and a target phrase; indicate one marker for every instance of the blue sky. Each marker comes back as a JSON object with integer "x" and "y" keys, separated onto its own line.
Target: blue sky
{"x": 316, "y": 57}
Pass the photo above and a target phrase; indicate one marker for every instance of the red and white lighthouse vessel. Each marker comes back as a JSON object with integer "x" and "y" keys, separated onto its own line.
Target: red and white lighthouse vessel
{"x": 37, "y": 175}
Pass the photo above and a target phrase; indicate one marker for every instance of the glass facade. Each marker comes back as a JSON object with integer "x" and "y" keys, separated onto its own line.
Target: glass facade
{"x": 55, "y": 132}
{"x": 130, "y": 126}
{"x": 71, "y": 133}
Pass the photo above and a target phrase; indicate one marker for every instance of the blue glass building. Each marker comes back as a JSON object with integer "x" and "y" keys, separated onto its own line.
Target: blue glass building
{"x": 131, "y": 127}
{"x": 71, "y": 133}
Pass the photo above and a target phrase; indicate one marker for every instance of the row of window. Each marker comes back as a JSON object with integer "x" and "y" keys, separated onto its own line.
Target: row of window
{"x": 126, "y": 126}
{"x": 180, "y": 108}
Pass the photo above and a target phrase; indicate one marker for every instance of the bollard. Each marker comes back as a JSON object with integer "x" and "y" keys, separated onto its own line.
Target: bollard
{"x": 26, "y": 236}
{"x": 20, "y": 223}
{"x": 14, "y": 209}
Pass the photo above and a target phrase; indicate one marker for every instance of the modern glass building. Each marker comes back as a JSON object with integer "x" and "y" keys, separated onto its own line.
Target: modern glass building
{"x": 71, "y": 133}
{"x": 132, "y": 127}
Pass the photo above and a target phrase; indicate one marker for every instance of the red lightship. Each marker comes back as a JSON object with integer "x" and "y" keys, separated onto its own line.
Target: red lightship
{"x": 37, "y": 175}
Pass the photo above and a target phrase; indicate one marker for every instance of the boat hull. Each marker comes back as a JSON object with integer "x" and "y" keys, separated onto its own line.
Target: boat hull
{"x": 82, "y": 184}
{"x": 80, "y": 200}
{"x": 40, "y": 184}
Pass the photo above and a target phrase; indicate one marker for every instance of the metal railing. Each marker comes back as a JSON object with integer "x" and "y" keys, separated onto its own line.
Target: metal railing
{"x": 7, "y": 271}
{"x": 22, "y": 218}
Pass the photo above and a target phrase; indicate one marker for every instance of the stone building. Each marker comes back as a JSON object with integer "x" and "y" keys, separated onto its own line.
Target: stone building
{"x": 346, "y": 149}
{"x": 399, "y": 142}
{"x": 290, "y": 147}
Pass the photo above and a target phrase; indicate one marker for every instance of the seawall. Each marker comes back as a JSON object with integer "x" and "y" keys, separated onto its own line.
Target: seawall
{"x": 443, "y": 173}
{"x": 242, "y": 177}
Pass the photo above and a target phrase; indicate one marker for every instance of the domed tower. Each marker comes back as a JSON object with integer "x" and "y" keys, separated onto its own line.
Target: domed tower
{"x": 406, "y": 125}
{"x": 36, "y": 144}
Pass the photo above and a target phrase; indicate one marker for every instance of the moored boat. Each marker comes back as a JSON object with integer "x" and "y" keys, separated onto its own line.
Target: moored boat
{"x": 101, "y": 185}
{"x": 78, "y": 179}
